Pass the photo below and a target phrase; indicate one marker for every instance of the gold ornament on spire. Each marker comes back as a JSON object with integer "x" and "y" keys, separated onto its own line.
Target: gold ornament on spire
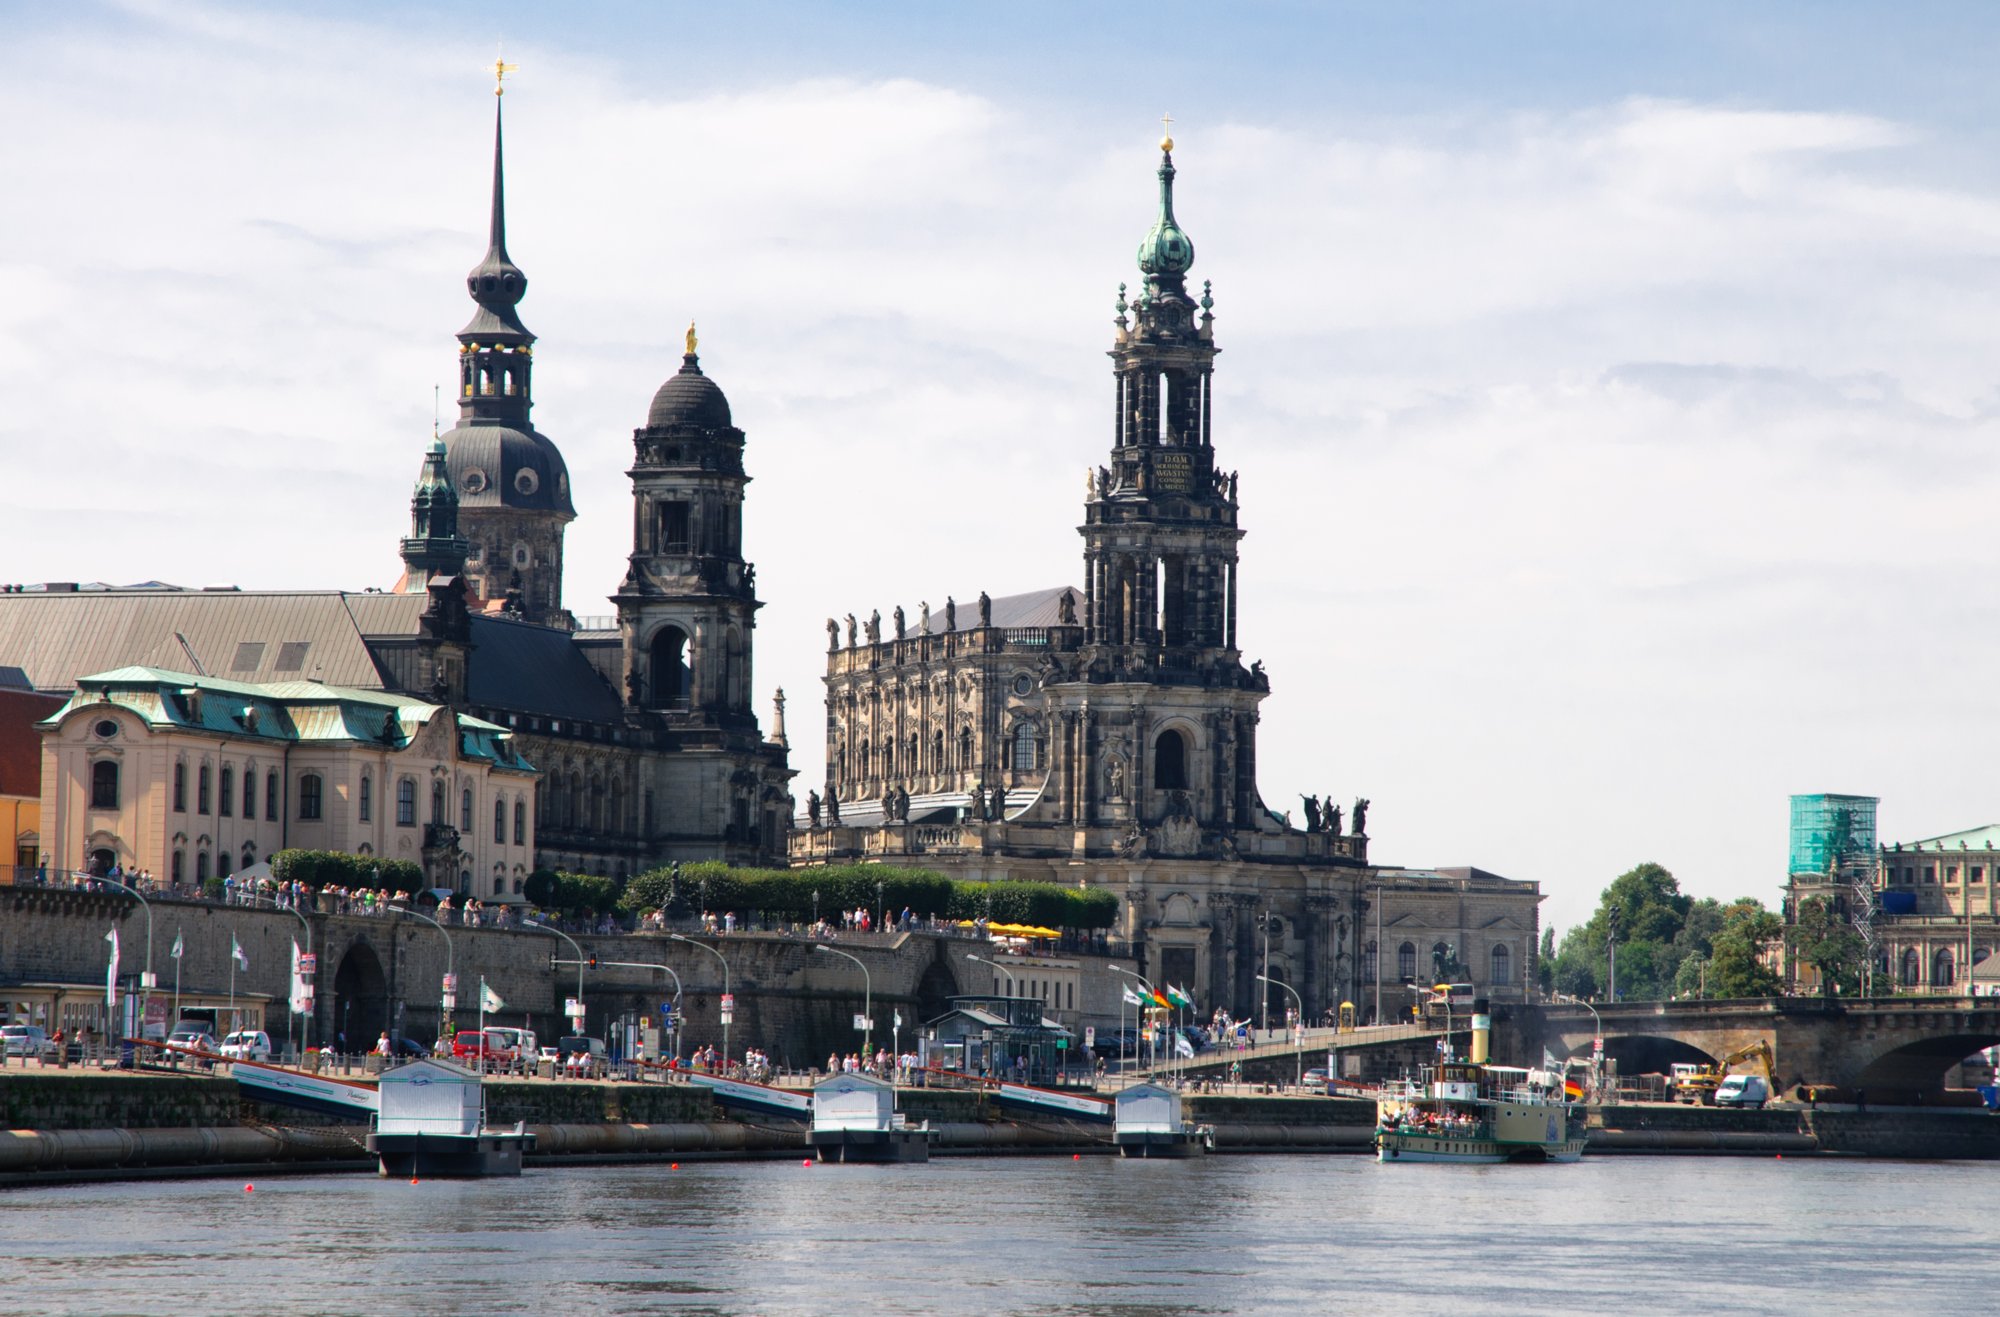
{"x": 691, "y": 339}
{"x": 501, "y": 68}
{"x": 1167, "y": 132}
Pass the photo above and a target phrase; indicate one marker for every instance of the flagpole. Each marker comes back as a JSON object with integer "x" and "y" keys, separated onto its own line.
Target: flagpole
{"x": 234, "y": 948}
{"x": 177, "y": 981}
{"x": 482, "y": 1023}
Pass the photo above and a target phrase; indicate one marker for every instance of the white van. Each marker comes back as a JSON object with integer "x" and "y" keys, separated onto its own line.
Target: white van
{"x": 521, "y": 1042}
{"x": 1743, "y": 1091}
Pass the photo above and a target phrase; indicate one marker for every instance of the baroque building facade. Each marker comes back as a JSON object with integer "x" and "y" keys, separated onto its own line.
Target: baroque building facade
{"x": 642, "y": 726}
{"x": 1107, "y": 735}
{"x": 193, "y": 778}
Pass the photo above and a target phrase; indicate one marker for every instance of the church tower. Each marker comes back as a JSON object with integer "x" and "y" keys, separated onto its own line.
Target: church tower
{"x": 1156, "y": 723}
{"x": 686, "y": 611}
{"x": 512, "y": 485}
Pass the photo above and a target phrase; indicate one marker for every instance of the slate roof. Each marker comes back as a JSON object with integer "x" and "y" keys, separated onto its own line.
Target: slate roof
{"x": 536, "y": 669}
{"x": 57, "y": 638}
{"x": 1036, "y": 608}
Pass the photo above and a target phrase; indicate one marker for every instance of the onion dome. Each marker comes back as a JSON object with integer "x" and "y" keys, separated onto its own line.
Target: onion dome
{"x": 1167, "y": 250}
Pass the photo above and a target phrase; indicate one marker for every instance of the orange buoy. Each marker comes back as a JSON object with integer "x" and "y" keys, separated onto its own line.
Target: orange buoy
{"x": 1076, "y": 1156}
{"x": 676, "y": 1166}
{"x": 249, "y": 1188}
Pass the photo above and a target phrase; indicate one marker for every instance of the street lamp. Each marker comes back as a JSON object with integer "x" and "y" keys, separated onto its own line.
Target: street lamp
{"x": 815, "y": 909}
{"x": 878, "y": 905}
{"x": 448, "y": 1001}
{"x": 1298, "y": 1034}
{"x": 867, "y": 996}
{"x": 1596, "y": 1043}
{"x": 995, "y": 965}
{"x": 725, "y": 990}
{"x": 551, "y": 928}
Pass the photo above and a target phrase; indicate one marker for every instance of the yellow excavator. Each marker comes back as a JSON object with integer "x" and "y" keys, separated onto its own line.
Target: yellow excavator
{"x": 1700, "y": 1086}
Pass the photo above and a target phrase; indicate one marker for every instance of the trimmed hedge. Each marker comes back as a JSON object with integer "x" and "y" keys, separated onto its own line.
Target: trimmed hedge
{"x": 789, "y": 892}
{"x": 339, "y": 869}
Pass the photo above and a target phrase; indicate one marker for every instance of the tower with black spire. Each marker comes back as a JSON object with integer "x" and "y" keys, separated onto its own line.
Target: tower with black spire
{"x": 512, "y": 484}
{"x": 1158, "y": 701}
{"x": 686, "y": 613}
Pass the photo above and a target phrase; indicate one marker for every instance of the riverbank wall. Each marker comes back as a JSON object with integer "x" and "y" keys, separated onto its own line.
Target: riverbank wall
{"x": 113, "y": 1126}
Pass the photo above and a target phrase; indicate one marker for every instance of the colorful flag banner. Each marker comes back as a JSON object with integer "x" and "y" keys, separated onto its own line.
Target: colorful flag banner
{"x": 236, "y": 952}
{"x": 176, "y": 952}
{"x": 489, "y": 1000}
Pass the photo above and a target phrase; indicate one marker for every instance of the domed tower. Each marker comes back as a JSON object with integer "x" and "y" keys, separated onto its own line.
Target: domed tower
{"x": 513, "y": 488}
{"x": 686, "y": 610}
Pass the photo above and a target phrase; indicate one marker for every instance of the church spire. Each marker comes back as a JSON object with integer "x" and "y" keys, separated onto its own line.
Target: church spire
{"x": 496, "y": 284}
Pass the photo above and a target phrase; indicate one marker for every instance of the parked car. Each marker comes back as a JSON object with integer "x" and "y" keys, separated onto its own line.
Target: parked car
{"x": 1316, "y": 1078}
{"x": 25, "y": 1040}
{"x": 583, "y": 1057}
{"x": 411, "y": 1049}
{"x": 481, "y": 1049}
{"x": 247, "y": 1045}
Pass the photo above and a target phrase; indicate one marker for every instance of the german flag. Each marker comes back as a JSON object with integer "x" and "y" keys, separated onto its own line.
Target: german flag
{"x": 1572, "y": 1090}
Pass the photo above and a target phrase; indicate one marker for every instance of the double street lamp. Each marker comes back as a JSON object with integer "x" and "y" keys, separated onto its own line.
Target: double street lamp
{"x": 577, "y": 1016}
{"x": 727, "y": 1001}
{"x": 448, "y": 1000}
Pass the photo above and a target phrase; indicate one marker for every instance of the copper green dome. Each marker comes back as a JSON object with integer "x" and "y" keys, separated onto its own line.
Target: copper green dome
{"x": 1167, "y": 250}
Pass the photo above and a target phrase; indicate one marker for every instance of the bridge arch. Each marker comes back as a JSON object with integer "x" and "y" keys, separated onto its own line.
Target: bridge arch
{"x": 1921, "y": 1064}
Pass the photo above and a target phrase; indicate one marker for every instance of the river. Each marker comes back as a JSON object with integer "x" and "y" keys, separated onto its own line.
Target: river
{"x": 1298, "y": 1235}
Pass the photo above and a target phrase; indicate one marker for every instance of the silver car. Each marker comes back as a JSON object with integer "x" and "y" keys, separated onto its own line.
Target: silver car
{"x": 25, "y": 1040}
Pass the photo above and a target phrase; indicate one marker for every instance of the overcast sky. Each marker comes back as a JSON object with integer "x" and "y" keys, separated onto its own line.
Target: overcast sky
{"x": 1612, "y": 387}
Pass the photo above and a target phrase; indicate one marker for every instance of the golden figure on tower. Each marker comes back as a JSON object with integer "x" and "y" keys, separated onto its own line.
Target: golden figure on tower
{"x": 691, "y": 339}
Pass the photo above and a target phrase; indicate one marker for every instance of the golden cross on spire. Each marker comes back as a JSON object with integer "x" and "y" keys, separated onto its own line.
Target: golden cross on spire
{"x": 1166, "y": 132}
{"x": 501, "y": 68}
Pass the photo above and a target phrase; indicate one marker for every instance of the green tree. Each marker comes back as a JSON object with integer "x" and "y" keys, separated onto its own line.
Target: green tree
{"x": 1822, "y": 938}
{"x": 1650, "y": 913}
{"x": 1737, "y": 970}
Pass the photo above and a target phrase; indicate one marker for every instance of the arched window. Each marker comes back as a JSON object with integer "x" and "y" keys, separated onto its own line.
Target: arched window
{"x": 499, "y": 885}
{"x": 1170, "y": 761}
{"x": 1368, "y": 964}
{"x": 1503, "y": 966}
{"x": 180, "y": 787}
{"x": 249, "y": 855}
{"x": 1406, "y": 961}
{"x": 667, "y": 664}
{"x": 965, "y": 750}
{"x": 310, "y": 789}
{"x": 1944, "y": 968}
{"x": 223, "y": 866}
{"x": 201, "y": 790}
{"x": 201, "y": 866}
{"x": 271, "y": 796}
{"x": 521, "y": 822}
{"x": 406, "y": 802}
{"x": 249, "y": 793}
{"x": 938, "y": 764}
{"x": 179, "y": 868}
{"x": 1913, "y": 968}
{"x": 104, "y": 784}
{"x": 499, "y": 821}
{"x": 367, "y": 797}
{"x": 465, "y": 812}
{"x": 1024, "y": 748}
{"x": 437, "y": 802}
{"x": 226, "y": 797}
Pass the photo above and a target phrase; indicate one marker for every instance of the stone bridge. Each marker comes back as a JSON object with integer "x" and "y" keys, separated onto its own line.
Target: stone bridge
{"x": 1890, "y": 1046}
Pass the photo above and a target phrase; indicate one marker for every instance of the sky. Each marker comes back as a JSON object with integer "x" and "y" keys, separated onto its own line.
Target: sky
{"x": 1611, "y": 387}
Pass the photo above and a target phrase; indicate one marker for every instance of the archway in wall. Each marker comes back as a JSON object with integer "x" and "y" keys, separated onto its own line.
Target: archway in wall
{"x": 101, "y": 860}
{"x": 1919, "y": 1067}
{"x": 1646, "y": 1054}
{"x": 360, "y": 999}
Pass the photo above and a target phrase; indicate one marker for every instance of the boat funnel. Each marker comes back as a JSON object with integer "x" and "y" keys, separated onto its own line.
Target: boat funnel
{"x": 1482, "y": 1030}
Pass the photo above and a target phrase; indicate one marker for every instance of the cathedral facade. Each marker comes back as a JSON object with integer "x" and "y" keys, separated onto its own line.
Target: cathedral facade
{"x": 1107, "y": 735}
{"x": 643, "y": 731}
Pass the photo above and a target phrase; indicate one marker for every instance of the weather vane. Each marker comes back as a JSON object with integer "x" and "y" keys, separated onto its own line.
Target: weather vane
{"x": 501, "y": 68}
{"x": 1166, "y": 132}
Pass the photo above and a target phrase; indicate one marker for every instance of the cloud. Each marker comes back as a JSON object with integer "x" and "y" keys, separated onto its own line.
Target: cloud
{"x": 1609, "y": 474}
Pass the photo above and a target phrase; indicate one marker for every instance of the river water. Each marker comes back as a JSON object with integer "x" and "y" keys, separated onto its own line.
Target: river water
{"x": 1300, "y": 1235}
